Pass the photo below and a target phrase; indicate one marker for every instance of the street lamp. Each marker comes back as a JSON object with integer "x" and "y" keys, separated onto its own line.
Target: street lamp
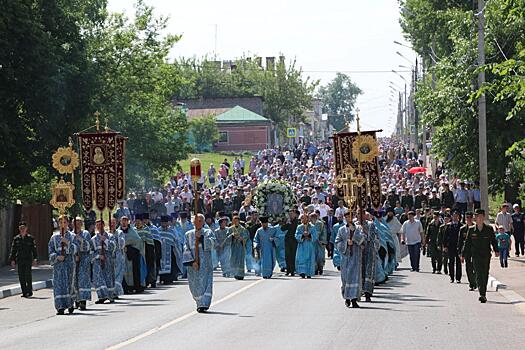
{"x": 401, "y": 55}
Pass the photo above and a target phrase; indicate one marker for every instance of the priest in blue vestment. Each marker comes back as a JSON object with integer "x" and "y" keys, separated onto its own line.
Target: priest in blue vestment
{"x": 349, "y": 243}
{"x": 103, "y": 249}
{"x": 264, "y": 242}
{"x": 239, "y": 238}
{"x": 305, "y": 258}
{"x": 168, "y": 270}
{"x": 62, "y": 249}
{"x": 371, "y": 246}
{"x": 197, "y": 258}
{"x": 223, "y": 246}
{"x": 82, "y": 280}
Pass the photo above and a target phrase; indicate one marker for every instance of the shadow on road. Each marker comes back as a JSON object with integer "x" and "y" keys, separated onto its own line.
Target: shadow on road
{"x": 222, "y": 313}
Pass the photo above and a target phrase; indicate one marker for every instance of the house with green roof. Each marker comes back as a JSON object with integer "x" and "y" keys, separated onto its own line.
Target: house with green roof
{"x": 239, "y": 128}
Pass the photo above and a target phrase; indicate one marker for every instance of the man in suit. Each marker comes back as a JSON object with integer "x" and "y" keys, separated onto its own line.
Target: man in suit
{"x": 330, "y": 221}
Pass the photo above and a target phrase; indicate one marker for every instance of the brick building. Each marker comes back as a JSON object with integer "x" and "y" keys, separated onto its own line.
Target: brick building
{"x": 239, "y": 120}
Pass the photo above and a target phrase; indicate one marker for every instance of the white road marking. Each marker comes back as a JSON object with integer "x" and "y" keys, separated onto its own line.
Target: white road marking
{"x": 179, "y": 319}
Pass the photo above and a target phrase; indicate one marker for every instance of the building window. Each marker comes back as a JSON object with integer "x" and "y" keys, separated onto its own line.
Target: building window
{"x": 223, "y": 137}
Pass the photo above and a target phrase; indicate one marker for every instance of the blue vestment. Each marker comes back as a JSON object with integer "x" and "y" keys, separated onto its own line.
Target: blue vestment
{"x": 200, "y": 280}
{"x": 63, "y": 271}
{"x": 102, "y": 265}
{"x": 264, "y": 244}
{"x": 82, "y": 283}
{"x": 223, "y": 250}
{"x": 371, "y": 246}
{"x": 119, "y": 261}
{"x": 305, "y": 257}
{"x": 351, "y": 274}
{"x": 322, "y": 240}
{"x": 239, "y": 237}
{"x": 336, "y": 258}
{"x": 279, "y": 246}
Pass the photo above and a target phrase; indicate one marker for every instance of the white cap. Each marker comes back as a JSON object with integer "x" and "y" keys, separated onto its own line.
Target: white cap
{"x": 515, "y": 206}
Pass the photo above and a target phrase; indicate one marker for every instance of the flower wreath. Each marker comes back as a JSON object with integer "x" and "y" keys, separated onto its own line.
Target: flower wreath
{"x": 274, "y": 186}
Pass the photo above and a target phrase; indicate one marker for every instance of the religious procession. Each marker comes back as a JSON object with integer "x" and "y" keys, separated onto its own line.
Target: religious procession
{"x": 362, "y": 204}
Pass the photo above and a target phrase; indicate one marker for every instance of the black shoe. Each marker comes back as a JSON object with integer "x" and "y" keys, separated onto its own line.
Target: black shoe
{"x": 439, "y": 272}
{"x": 240, "y": 278}
{"x": 458, "y": 281}
{"x": 154, "y": 285}
{"x": 283, "y": 269}
{"x": 202, "y": 310}
{"x": 368, "y": 299}
{"x": 451, "y": 281}
{"x": 60, "y": 311}
{"x": 471, "y": 289}
{"x": 82, "y": 306}
{"x": 320, "y": 272}
{"x": 308, "y": 276}
{"x": 338, "y": 268}
{"x": 347, "y": 302}
{"x": 483, "y": 300}
{"x": 433, "y": 271}
{"x": 30, "y": 294}
{"x": 23, "y": 296}
{"x": 355, "y": 305}
{"x": 292, "y": 274}
{"x": 71, "y": 310}
{"x": 302, "y": 275}
{"x": 100, "y": 301}
{"x": 111, "y": 300}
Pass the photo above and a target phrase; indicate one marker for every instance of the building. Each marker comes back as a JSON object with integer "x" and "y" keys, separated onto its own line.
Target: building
{"x": 242, "y": 130}
{"x": 242, "y": 127}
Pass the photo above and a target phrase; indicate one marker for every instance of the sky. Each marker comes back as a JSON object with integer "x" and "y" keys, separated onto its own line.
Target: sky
{"x": 355, "y": 37}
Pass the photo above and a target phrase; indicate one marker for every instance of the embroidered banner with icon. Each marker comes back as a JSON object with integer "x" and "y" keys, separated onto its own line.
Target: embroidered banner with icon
{"x": 102, "y": 169}
{"x": 356, "y": 154}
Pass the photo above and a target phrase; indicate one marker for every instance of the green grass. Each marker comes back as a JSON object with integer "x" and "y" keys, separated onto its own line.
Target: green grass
{"x": 212, "y": 158}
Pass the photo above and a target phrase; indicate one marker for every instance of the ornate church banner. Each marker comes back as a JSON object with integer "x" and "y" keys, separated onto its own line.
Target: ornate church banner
{"x": 102, "y": 168}
{"x": 357, "y": 167}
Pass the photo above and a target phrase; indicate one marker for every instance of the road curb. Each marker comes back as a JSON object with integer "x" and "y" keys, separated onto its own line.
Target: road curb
{"x": 511, "y": 296}
{"x": 494, "y": 284}
{"x": 8, "y": 292}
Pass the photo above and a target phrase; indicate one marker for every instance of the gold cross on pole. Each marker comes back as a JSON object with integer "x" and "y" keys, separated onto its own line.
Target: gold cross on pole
{"x": 349, "y": 183}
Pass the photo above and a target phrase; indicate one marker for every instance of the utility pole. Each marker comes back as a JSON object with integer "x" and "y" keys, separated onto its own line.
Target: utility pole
{"x": 416, "y": 116}
{"x": 482, "y": 112}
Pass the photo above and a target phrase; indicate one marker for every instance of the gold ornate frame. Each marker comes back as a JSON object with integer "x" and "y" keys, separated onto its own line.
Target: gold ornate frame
{"x": 62, "y": 195}
{"x": 370, "y": 143}
{"x": 64, "y": 153}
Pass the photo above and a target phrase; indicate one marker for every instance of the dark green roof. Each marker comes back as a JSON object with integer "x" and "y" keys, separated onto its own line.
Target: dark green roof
{"x": 238, "y": 115}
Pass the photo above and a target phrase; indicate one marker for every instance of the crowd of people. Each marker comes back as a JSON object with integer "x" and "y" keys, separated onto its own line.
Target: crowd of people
{"x": 153, "y": 239}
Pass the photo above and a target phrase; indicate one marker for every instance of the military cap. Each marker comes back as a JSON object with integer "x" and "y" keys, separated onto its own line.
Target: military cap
{"x": 264, "y": 219}
{"x": 164, "y": 218}
{"x": 469, "y": 213}
{"x": 479, "y": 212}
{"x": 183, "y": 214}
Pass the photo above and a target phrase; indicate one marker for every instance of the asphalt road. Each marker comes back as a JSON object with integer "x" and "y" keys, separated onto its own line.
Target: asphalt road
{"x": 413, "y": 310}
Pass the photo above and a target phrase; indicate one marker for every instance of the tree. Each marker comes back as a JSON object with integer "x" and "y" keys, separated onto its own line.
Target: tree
{"x": 63, "y": 60}
{"x": 134, "y": 84}
{"x": 204, "y": 132}
{"x": 338, "y": 99}
{"x": 444, "y": 33}
{"x": 45, "y": 81}
{"x": 285, "y": 92}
